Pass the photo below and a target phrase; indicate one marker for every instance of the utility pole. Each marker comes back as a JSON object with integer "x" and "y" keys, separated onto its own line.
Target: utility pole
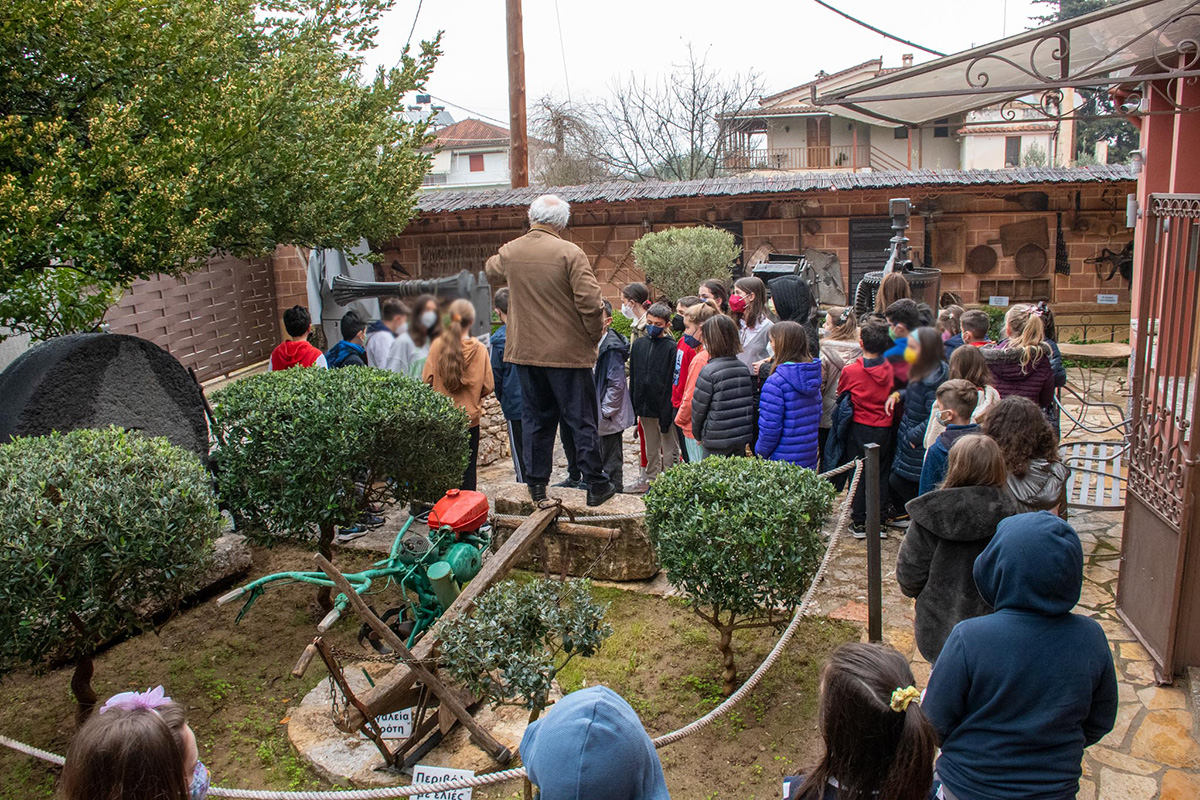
{"x": 518, "y": 148}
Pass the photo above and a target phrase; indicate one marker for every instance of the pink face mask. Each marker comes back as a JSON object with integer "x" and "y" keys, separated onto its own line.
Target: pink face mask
{"x": 737, "y": 303}
{"x": 945, "y": 335}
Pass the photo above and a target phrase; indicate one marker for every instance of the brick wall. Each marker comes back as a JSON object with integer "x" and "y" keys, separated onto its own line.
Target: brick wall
{"x": 606, "y": 231}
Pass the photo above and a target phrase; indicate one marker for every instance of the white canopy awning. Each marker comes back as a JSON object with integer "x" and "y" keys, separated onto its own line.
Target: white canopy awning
{"x": 1156, "y": 38}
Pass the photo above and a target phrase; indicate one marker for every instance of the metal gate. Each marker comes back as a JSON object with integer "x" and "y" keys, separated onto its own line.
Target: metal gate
{"x": 1159, "y": 587}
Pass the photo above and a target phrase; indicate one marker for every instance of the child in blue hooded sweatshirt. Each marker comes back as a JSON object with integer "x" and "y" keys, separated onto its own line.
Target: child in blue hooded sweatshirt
{"x": 592, "y": 746}
{"x": 1017, "y": 695}
{"x": 789, "y": 410}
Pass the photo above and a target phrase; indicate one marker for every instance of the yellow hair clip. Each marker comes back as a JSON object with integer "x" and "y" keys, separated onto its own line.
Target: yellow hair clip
{"x": 902, "y": 697}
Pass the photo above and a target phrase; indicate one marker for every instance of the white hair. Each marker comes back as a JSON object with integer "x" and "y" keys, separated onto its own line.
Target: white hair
{"x": 550, "y": 209}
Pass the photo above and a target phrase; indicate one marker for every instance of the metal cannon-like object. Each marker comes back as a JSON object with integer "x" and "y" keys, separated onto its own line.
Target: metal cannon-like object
{"x": 473, "y": 287}
{"x": 924, "y": 282}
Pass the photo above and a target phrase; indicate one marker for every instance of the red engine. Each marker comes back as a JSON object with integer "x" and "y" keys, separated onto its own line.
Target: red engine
{"x": 462, "y": 511}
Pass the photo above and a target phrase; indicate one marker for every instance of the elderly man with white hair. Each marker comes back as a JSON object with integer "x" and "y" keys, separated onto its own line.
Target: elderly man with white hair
{"x": 555, "y": 322}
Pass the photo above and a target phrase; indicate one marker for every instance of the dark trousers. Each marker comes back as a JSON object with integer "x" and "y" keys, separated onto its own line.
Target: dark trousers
{"x": 551, "y": 395}
{"x": 568, "y": 443}
{"x": 683, "y": 455}
{"x": 468, "y": 481}
{"x": 857, "y": 438}
{"x": 612, "y": 455}
{"x": 517, "y": 445}
{"x": 900, "y": 491}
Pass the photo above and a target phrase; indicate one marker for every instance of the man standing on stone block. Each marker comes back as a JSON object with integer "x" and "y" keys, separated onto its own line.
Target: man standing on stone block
{"x": 555, "y": 322}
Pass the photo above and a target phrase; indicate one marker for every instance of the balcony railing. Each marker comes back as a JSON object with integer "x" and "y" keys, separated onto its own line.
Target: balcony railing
{"x": 798, "y": 158}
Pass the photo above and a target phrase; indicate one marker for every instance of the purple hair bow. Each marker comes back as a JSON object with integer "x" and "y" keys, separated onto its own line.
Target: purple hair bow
{"x": 149, "y": 699}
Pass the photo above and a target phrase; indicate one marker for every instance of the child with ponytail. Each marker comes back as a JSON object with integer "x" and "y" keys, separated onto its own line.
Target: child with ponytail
{"x": 878, "y": 742}
{"x": 458, "y": 367}
{"x": 1020, "y": 364}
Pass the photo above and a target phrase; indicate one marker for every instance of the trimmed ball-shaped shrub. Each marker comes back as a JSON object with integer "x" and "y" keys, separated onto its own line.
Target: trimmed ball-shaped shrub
{"x": 97, "y": 528}
{"x": 305, "y": 449}
{"x": 740, "y": 538}
{"x": 677, "y": 260}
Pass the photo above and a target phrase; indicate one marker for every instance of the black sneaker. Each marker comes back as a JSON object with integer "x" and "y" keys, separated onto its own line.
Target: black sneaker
{"x": 859, "y": 531}
{"x": 350, "y": 532}
{"x": 371, "y": 520}
{"x": 600, "y": 492}
{"x": 537, "y": 492}
{"x": 570, "y": 484}
{"x": 897, "y": 520}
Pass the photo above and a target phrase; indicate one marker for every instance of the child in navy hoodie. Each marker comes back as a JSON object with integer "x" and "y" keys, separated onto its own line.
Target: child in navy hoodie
{"x": 1017, "y": 695}
{"x": 869, "y": 381}
{"x": 789, "y": 410}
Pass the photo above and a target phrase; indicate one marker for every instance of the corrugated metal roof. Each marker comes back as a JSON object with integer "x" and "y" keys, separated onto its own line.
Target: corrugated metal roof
{"x": 449, "y": 201}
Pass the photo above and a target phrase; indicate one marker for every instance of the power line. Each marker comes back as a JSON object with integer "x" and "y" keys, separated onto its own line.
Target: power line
{"x": 468, "y": 110}
{"x": 562, "y": 49}
{"x": 414, "y": 25}
{"x": 882, "y": 33}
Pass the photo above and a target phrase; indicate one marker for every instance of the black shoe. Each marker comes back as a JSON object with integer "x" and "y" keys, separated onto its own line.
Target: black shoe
{"x": 537, "y": 492}
{"x": 571, "y": 484}
{"x": 598, "y": 493}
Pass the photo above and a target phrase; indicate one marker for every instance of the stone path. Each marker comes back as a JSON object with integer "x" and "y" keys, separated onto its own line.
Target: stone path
{"x": 1152, "y": 752}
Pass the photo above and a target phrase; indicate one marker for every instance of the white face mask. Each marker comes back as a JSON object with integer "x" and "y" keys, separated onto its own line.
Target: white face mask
{"x": 428, "y": 319}
{"x": 627, "y": 310}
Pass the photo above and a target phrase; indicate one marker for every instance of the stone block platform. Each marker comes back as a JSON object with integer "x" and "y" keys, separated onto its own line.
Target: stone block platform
{"x": 581, "y": 549}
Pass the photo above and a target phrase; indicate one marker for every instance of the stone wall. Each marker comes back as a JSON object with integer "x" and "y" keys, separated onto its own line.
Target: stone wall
{"x": 493, "y": 433}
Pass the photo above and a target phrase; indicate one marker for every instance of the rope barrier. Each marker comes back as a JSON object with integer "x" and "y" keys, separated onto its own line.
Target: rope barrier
{"x": 490, "y": 778}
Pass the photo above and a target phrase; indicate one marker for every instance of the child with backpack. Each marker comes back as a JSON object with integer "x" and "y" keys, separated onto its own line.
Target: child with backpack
{"x": 789, "y": 410}
{"x": 878, "y": 741}
{"x": 458, "y": 366}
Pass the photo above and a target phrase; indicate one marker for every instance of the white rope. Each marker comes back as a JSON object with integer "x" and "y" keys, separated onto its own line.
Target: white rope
{"x": 513, "y": 774}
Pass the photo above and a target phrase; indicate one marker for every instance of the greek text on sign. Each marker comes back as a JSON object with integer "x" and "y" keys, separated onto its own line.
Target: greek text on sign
{"x": 423, "y": 774}
{"x": 998, "y": 300}
{"x": 1108, "y": 299}
{"x": 396, "y": 725}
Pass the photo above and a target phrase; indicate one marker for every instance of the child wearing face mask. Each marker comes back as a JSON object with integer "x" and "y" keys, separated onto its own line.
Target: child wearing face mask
{"x": 955, "y": 403}
{"x": 635, "y": 299}
{"x": 409, "y": 352}
{"x": 651, "y": 373}
{"x": 685, "y": 351}
{"x": 137, "y": 746}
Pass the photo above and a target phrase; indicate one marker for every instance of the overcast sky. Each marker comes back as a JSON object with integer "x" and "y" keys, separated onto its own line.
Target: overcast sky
{"x": 787, "y": 41}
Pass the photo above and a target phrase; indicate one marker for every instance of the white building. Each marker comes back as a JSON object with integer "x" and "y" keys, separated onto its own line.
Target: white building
{"x": 787, "y": 132}
{"x": 470, "y": 154}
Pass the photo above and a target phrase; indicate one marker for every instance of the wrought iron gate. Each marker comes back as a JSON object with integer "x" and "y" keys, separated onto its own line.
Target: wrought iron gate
{"x": 1159, "y": 588}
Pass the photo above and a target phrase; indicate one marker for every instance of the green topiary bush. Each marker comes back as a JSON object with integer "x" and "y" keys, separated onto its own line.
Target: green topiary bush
{"x": 97, "y": 529}
{"x": 519, "y": 636}
{"x": 741, "y": 538}
{"x": 677, "y": 260}
{"x": 294, "y": 444}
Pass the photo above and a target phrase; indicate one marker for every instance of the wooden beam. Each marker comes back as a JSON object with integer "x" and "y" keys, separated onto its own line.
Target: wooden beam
{"x": 383, "y": 697}
{"x": 518, "y": 149}
{"x": 479, "y": 734}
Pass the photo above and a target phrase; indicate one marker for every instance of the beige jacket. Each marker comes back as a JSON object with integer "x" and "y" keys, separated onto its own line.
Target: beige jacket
{"x": 477, "y": 380}
{"x": 555, "y": 313}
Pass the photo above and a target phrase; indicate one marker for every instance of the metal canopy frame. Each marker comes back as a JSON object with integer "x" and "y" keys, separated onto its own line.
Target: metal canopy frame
{"x": 1140, "y": 41}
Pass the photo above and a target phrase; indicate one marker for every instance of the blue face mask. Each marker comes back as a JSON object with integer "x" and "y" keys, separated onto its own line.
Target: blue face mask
{"x": 690, "y": 341}
{"x": 654, "y": 331}
{"x": 199, "y": 787}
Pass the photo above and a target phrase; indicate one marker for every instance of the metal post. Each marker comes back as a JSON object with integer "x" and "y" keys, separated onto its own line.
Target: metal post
{"x": 874, "y": 569}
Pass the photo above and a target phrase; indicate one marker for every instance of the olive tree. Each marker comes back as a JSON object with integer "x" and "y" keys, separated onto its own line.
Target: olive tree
{"x": 302, "y": 451}
{"x": 678, "y": 260}
{"x": 519, "y": 636}
{"x": 741, "y": 539}
{"x": 137, "y": 138}
{"x": 98, "y": 529}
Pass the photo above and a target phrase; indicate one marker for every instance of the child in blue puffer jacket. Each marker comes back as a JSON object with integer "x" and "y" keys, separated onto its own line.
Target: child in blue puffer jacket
{"x": 789, "y": 411}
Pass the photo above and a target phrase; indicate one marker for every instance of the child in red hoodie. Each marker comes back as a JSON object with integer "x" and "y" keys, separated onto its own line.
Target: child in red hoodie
{"x": 869, "y": 381}
{"x": 295, "y": 351}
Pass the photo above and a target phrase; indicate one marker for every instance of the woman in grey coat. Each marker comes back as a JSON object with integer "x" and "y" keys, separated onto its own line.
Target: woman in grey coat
{"x": 950, "y": 527}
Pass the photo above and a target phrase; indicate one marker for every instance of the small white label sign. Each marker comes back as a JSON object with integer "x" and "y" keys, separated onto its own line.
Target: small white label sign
{"x": 1108, "y": 299}
{"x": 396, "y": 725}
{"x": 998, "y": 300}
{"x": 423, "y": 774}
